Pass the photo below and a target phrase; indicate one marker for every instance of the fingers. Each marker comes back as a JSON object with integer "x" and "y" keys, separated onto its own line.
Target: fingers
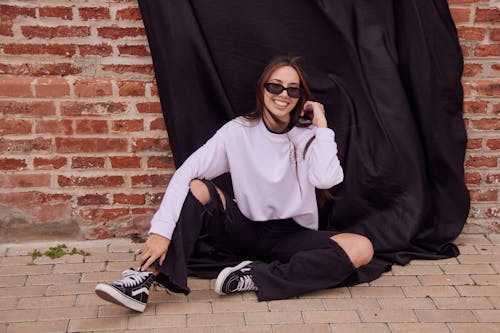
{"x": 155, "y": 247}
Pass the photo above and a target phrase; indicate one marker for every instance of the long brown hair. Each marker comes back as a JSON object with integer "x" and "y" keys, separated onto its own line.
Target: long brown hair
{"x": 273, "y": 65}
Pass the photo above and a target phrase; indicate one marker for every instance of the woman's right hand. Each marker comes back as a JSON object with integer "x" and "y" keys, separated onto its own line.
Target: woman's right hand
{"x": 155, "y": 247}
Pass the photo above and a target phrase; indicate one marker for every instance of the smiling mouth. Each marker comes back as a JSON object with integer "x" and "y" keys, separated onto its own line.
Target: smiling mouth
{"x": 280, "y": 104}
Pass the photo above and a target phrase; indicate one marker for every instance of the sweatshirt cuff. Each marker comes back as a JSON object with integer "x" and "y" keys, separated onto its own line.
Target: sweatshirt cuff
{"x": 325, "y": 134}
{"x": 161, "y": 228}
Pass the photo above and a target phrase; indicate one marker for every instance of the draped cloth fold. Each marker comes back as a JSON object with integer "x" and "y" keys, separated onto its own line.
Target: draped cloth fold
{"x": 388, "y": 73}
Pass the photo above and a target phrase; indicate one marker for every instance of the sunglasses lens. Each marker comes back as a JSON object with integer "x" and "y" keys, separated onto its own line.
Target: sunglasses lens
{"x": 294, "y": 92}
{"x": 274, "y": 88}
{"x": 277, "y": 89}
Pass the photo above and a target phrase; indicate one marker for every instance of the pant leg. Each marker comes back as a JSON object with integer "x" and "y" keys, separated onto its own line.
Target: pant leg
{"x": 302, "y": 261}
{"x": 193, "y": 217}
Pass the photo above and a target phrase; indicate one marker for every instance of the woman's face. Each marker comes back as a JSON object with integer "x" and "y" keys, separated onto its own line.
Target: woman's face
{"x": 279, "y": 106}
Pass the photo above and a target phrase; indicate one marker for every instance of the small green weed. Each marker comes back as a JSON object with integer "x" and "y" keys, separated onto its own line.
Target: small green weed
{"x": 56, "y": 252}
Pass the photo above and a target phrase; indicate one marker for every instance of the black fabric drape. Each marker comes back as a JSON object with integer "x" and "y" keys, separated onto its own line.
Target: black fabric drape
{"x": 388, "y": 73}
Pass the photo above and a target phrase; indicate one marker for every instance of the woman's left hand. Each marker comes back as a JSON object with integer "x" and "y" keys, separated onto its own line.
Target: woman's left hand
{"x": 317, "y": 111}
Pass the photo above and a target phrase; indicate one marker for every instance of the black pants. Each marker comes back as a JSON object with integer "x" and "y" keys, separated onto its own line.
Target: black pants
{"x": 289, "y": 260}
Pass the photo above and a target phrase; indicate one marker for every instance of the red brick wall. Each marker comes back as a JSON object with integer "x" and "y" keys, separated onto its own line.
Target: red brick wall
{"x": 82, "y": 135}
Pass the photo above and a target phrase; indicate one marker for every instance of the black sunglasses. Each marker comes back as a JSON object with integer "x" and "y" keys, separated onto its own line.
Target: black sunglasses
{"x": 276, "y": 89}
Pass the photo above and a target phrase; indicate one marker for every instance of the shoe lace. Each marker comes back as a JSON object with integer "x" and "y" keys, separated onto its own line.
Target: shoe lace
{"x": 132, "y": 278}
{"x": 246, "y": 283}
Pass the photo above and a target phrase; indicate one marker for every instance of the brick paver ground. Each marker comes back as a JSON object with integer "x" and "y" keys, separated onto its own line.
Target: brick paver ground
{"x": 458, "y": 295}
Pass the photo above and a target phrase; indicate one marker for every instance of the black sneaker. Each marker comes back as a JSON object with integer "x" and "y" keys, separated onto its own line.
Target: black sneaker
{"x": 235, "y": 279}
{"x": 132, "y": 291}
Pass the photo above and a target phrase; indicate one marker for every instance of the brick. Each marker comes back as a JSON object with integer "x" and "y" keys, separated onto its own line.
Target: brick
{"x": 15, "y": 86}
{"x": 487, "y": 15}
{"x": 90, "y": 145}
{"x": 445, "y": 280}
{"x": 92, "y": 199}
{"x": 460, "y": 15}
{"x": 478, "y": 258}
{"x": 437, "y": 316}
{"x": 472, "y": 70}
{"x": 184, "y": 308}
{"x": 129, "y": 199}
{"x": 475, "y": 106}
{"x": 68, "y": 313}
{"x": 493, "y": 144}
{"x": 150, "y": 144}
{"x": 94, "y": 13}
{"x": 489, "y": 87}
{"x": 65, "y": 13}
{"x": 472, "y": 178}
{"x": 83, "y": 325}
{"x": 115, "y": 32}
{"x": 131, "y": 14}
{"x": 39, "y": 326}
{"x": 89, "y": 126}
{"x": 51, "y": 87}
{"x": 70, "y": 289}
{"x": 64, "y": 50}
{"x": 487, "y": 279}
{"x": 103, "y": 50}
{"x": 473, "y": 239}
{"x": 55, "y": 32}
{"x": 92, "y": 88}
{"x": 416, "y": 270}
{"x": 104, "y": 181}
{"x": 478, "y": 290}
{"x": 46, "y": 302}
{"x": 492, "y": 179}
{"x": 483, "y": 195}
{"x": 406, "y": 303}
{"x": 25, "y": 291}
{"x": 13, "y": 316}
{"x": 48, "y": 279}
{"x": 146, "y": 69}
{"x": 394, "y": 281}
{"x": 131, "y": 88}
{"x": 418, "y": 327}
{"x": 92, "y": 109}
{"x": 149, "y": 107}
{"x": 273, "y": 318}
{"x": 128, "y": 125}
{"x": 80, "y": 268}
{"x": 348, "y": 303}
{"x": 471, "y": 33}
{"x": 24, "y": 180}
{"x": 87, "y": 162}
{"x": 29, "y": 109}
{"x": 481, "y": 161}
{"x": 125, "y": 162}
{"x": 150, "y": 180}
{"x": 486, "y": 124}
{"x": 358, "y": 328}
{"x": 456, "y": 303}
{"x": 59, "y": 67}
{"x": 12, "y": 164}
{"x": 388, "y": 316}
{"x": 25, "y": 270}
{"x": 430, "y": 291}
{"x": 63, "y": 126}
{"x": 157, "y": 124}
{"x": 15, "y": 11}
{"x": 134, "y": 50}
{"x": 104, "y": 214}
{"x": 334, "y": 316}
{"x": 473, "y": 327}
{"x": 6, "y": 30}
{"x": 160, "y": 162}
{"x": 12, "y": 281}
{"x": 296, "y": 305}
{"x": 376, "y": 291}
{"x": 15, "y": 126}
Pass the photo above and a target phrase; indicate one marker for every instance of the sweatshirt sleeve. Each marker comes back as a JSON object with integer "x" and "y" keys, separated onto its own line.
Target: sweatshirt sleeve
{"x": 325, "y": 170}
{"x": 209, "y": 161}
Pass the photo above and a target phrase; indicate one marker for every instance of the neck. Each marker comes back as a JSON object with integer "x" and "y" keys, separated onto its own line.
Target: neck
{"x": 274, "y": 124}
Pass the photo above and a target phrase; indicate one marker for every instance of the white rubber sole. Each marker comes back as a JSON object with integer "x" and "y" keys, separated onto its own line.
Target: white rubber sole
{"x": 110, "y": 294}
{"x": 225, "y": 272}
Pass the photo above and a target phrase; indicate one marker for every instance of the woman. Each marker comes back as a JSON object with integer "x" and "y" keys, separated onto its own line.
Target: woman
{"x": 277, "y": 157}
